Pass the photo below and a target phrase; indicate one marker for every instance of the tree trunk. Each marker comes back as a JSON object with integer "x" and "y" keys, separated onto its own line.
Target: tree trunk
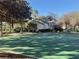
{"x": 66, "y": 26}
{"x": 74, "y": 28}
{"x": 21, "y": 31}
{"x": 12, "y": 24}
{"x": 10, "y": 28}
{"x": 1, "y": 33}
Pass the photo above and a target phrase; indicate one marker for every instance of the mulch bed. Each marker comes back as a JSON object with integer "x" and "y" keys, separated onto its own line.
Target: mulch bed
{"x": 14, "y": 56}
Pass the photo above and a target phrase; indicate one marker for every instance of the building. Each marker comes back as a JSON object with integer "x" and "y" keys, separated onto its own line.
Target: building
{"x": 43, "y": 23}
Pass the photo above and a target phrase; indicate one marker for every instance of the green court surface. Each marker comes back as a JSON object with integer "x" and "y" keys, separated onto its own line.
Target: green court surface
{"x": 43, "y": 45}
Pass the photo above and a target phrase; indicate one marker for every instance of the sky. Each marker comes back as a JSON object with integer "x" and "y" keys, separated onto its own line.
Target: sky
{"x": 58, "y": 7}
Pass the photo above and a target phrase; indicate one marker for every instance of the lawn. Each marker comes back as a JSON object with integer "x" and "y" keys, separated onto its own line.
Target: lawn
{"x": 43, "y": 46}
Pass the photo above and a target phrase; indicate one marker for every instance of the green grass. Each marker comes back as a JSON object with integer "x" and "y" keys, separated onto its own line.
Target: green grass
{"x": 43, "y": 46}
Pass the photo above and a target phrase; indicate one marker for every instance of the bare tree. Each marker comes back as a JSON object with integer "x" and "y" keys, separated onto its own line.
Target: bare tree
{"x": 71, "y": 20}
